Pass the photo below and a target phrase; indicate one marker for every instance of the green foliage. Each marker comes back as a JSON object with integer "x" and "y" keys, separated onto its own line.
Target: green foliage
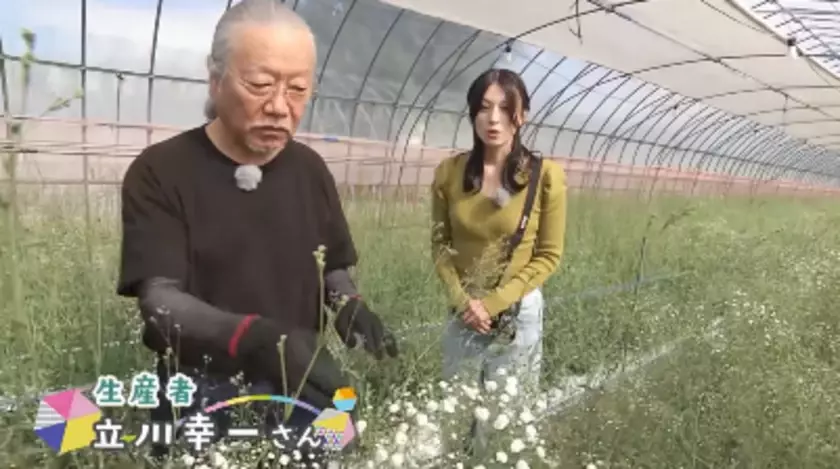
{"x": 759, "y": 393}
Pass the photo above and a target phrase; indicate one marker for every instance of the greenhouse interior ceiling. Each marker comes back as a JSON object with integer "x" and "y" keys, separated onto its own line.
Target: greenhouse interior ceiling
{"x": 740, "y": 88}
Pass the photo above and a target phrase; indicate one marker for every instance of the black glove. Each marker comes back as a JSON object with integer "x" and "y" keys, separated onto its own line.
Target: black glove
{"x": 356, "y": 318}
{"x": 259, "y": 356}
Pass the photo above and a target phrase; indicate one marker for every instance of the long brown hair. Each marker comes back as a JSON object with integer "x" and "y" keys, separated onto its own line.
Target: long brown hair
{"x": 515, "y": 92}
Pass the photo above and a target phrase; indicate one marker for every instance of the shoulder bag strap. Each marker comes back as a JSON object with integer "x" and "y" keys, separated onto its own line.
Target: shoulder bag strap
{"x": 533, "y": 183}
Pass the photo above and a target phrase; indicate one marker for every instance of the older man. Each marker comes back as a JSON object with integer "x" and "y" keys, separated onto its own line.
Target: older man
{"x": 221, "y": 224}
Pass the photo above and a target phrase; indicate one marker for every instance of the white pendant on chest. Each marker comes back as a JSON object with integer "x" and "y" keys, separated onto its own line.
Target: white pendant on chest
{"x": 248, "y": 177}
{"x": 501, "y": 197}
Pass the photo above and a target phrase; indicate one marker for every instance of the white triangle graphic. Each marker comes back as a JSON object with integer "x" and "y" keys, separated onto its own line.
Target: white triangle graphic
{"x": 47, "y": 416}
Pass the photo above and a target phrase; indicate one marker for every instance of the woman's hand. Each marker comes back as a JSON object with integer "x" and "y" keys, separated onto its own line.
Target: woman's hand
{"x": 477, "y": 317}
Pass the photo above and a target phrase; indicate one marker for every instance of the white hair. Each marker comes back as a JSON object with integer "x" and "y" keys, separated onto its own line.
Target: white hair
{"x": 273, "y": 12}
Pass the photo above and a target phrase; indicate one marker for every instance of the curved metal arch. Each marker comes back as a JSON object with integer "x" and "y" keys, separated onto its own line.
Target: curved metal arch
{"x": 408, "y": 76}
{"x": 599, "y": 133}
{"x": 725, "y": 143}
{"x": 327, "y": 57}
{"x": 688, "y": 134}
{"x": 718, "y": 138}
{"x": 580, "y": 131}
{"x": 562, "y": 126}
{"x": 597, "y": 108}
{"x": 612, "y": 138}
{"x": 785, "y": 146}
{"x": 689, "y": 128}
{"x": 550, "y": 72}
{"x": 523, "y": 34}
{"x": 464, "y": 47}
{"x": 544, "y": 109}
{"x": 779, "y": 171}
{"x": 691, "y": 122}
{"x": 743, "y": 144}
{"x": 363, "y": 84}
{"x": 152, "y": 60}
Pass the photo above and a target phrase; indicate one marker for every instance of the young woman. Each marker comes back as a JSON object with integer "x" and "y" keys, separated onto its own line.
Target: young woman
{"x": 478, "y": 202}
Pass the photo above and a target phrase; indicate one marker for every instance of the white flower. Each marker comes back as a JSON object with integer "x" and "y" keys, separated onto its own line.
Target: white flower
{"x": 381, "y": 454}
{"x": 540, "y": 451}
{"x": 188, "y": 460}
{"x": 491, "y": 386}
{"x": 401, "y": 439}
{"x": 284, "y": 460}
{"x": 501, "y": 422}
{"x": 431, "y": 406}
{"x": 526, "y": 416}
{"x": 470, "y": 391}
{"x": 501, "y": 457}
{"x": 394, "y": 408}
{"x": 422, "y": 420}
{"x": 248, "y": 177}
{"x": 522, "y": 465}
{"x": 361, "y": 425}
{"x": 531, "y": 433}
{"x": 505, "y": 398}
{"x": 218, "y": 461}
{"x": 511, "y": 386}
{"x": 516, "y": 446}
{"x": 480, "y": 466}
{"x": 482, "y": 414}
{"x": 397, "y": 459}
{"x": 591, "y": 466}
{"x": 449, "y": 405}
{"x": 410, "y": 410}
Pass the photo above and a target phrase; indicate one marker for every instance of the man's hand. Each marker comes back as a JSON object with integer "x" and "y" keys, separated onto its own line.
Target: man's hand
{"x": 258, "y": 352}
{"x": 356, "y": 318}
{"x": 477, "y": 317}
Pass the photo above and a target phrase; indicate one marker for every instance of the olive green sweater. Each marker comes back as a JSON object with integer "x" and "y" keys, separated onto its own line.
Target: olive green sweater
{"x": 469, "y": 228}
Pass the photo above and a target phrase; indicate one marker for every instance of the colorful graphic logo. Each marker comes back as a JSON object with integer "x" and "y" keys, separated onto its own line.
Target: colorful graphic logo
{"x": 65, "y": 421}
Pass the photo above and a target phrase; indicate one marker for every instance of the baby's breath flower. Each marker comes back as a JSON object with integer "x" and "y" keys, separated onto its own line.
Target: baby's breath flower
{"x": 522, "y": 465}
{"x": 501, "y": 457}
{"x": 482, "y": 414}
{"x": 449, "y": 405}
{"x": 501, "y": 422}
{"x": 516, "y": 446}
{"x": 401, "y": 438}
{"x": 397, "y": 459}
{"x": 361, "y": 425}
{"x": 381, "y": 454}
{"x": 526, "y": 416}
{"x": 531, "y": 433}
{"x": 431, "y": 406}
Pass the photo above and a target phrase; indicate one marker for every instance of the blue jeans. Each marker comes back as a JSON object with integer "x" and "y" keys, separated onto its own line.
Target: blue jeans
{"x": 474, "y": 357}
